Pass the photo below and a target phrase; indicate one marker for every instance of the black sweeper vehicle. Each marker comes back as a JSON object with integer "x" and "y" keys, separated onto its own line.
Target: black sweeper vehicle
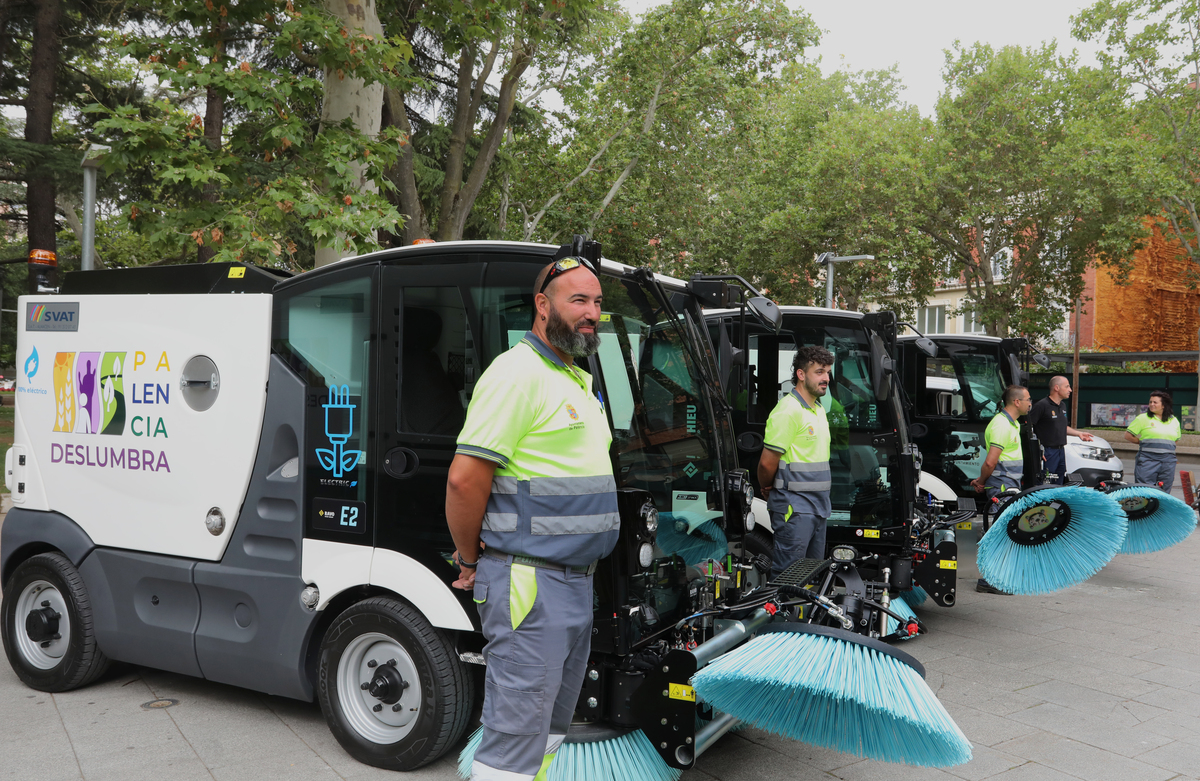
{"x": 895, "y": 541}
{"x": 956, "y": 392}
{"x": 226, "y": 472}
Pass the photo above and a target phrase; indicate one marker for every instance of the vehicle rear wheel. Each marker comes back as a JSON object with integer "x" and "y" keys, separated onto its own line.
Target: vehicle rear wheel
{"x": 391, "y": 686}
{"x": 47, "y": 628}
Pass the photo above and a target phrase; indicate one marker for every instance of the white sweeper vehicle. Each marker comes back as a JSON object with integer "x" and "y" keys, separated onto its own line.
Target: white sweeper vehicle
{"x": 237, "y": 474}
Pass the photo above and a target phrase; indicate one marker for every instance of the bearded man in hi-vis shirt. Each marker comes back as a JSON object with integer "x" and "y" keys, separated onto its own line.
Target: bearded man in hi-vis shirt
{"x": 532, "y": 480}
{"x": 794, "y": 467}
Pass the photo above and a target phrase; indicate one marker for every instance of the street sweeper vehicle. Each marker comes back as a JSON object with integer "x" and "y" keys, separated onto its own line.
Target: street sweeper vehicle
{"x": 955, "y": 393}
{"x": 876, "y": 468}
{"x": 226, "y": 472}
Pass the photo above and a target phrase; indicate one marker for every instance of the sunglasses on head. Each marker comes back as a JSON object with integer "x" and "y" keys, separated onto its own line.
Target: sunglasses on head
{"x": 563, "y": 266}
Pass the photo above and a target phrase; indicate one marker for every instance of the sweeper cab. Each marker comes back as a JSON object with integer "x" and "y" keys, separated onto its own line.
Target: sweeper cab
{"x": 955, "y": 392}
{"x": 232, "y": 473}
{"x": 882, "y": 535}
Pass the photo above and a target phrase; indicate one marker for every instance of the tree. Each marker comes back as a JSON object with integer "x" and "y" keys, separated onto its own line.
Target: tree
{"x": 1030, "y": 182}
{"x": 460, "y": 46}
{"x": 662, "y": 135}
{"x": 50, "y": 53}
{"x": 1152, "y": 52}
{"x": 841, "y": 172}
{"x": 260, "y": 176}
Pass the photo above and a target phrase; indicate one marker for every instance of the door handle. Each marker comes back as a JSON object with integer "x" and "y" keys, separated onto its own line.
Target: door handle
{"x": 401, "y": 463}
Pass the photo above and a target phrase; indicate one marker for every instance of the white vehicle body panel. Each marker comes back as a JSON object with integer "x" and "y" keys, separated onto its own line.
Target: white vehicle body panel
{"x": 936, "y": 487}
{"x": 148, "y": 484}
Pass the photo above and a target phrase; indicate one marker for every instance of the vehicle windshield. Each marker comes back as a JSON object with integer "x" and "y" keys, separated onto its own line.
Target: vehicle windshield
{"x": 663, "y": 432}
{"x": 964, "y": 381}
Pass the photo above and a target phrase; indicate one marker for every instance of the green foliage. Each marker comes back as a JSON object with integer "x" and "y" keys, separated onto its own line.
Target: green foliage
{"x": 1032, "y": 176}
{"x": 1152, "y": 54}
{"x": 278, "y": 181}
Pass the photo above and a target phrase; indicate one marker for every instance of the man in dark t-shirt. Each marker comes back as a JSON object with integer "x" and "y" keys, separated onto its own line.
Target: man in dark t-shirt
{"x": 1049, "y": 420}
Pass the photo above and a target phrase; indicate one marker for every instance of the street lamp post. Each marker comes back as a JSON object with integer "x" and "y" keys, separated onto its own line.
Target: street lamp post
{"x": 92, "y": 159}
{"x": 827, "y": 259}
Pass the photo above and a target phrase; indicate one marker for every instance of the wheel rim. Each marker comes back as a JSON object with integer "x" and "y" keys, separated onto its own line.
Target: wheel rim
{"x": 370, "y": 678}
{"x": 40, "y": 650}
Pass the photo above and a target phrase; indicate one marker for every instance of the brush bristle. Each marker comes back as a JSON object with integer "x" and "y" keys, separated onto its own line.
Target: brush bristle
{"x": 835, "y": 694}
{"x": 1092, "y": 537}
{"x": 630, "y": 757}
{"x": 1168, "y": 525}
{"x": 915, "y": 597}
{"x": 705, "y": 542}
{"x": 900, "y": 607}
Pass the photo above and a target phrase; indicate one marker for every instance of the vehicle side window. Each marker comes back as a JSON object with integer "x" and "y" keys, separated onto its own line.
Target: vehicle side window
{"x": 942, "y": 396}
{"x": 438, "y": 366}
{"x": 325, "y": 334}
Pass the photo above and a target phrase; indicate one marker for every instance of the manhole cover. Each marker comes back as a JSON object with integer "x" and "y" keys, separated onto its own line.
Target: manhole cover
{"x": 165, "y": 702}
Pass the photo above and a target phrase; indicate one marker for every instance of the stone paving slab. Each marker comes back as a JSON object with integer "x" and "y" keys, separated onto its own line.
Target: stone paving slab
{"x": 1098, "y": 682}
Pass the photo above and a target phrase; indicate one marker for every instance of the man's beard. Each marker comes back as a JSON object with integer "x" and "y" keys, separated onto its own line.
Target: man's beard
{"x": 567, "y": 339}
{"x": 814, "y": 388}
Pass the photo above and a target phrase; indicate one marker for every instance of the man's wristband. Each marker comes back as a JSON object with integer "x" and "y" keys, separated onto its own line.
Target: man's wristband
{"x": 468, "y": 564}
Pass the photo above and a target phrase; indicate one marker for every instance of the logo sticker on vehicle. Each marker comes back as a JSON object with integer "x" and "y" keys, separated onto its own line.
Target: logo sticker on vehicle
{"x": 52, "y": 316}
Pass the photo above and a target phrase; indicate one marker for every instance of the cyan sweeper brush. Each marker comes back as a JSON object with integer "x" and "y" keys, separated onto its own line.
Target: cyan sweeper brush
{"x": 901, "y": 608}
{"x": 691, "y": 536}
{"x": 838, "y": 690}
{"x": 629, "y": 757}
{"x": 1157, "y": 520}
{"x": 1049, "y": 539}
{"x": 915, "y": 597}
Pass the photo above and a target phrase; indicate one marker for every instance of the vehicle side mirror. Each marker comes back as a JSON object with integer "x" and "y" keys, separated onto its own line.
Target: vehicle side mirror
{"x": 927, "y": 346}
{"x": 1041, "y": 360}
{"x": 918, "y": 431}
{"x": 767, "y": 312}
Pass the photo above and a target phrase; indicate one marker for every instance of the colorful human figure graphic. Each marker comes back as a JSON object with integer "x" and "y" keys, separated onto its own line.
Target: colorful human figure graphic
{"x": 87, "y": 420}
{"x": 112, "y": 394}
{"x": 64, "y": 392}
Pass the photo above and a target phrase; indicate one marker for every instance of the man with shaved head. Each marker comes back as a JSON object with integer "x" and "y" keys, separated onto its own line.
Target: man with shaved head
{"x": 1049, "y": 420}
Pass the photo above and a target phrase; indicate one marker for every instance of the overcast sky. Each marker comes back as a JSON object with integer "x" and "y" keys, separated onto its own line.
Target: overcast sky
{"x": 874, "y": 34}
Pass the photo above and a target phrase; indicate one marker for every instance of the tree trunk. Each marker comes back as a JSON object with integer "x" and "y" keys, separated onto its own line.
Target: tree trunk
{"x": 39, "y": 123}
{"x": 403, "y": 173}
{"x": 452, "y": 224}
{"x": 214, "y": 124}
{"x": 350, "y": 98}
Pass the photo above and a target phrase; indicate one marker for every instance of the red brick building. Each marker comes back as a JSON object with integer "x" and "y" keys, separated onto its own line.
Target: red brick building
{"x": 1156, "y": 310}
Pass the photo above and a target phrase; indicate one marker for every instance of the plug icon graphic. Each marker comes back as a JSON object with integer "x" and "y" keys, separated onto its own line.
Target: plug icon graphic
{"x": 339, "y": 427}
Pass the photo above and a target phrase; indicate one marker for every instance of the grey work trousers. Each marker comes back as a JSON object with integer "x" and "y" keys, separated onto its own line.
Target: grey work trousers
{"x": 802, "y": 536}
{"x": 1152, "y": 468}
{"x": 535, "y": 668}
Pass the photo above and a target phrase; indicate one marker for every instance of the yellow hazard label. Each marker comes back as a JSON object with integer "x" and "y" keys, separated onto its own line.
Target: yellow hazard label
{"x": 237, "y": 272}
{"x": 948, "y": 564}
{"x": 606, "y": 318}
{"x": 681, "y": 691}
{"x": 964, "y": 525}
{"x": 871, "y": 533}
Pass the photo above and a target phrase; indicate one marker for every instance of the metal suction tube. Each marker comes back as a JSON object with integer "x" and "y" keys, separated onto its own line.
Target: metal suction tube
{"x": 730, "y": 638}
{"x": 713, "y": 730}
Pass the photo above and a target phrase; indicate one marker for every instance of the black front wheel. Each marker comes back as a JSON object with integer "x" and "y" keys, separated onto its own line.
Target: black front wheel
{"x": 47, "y": 626}
{"x": 391, "y": 686}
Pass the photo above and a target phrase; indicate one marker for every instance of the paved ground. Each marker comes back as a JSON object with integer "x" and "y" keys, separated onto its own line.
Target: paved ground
{"x": 1098, "y": 682}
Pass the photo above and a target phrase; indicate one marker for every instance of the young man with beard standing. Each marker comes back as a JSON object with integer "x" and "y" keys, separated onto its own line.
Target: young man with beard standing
{"x": 532, "y": 480}
{"x": 794, "y": 466}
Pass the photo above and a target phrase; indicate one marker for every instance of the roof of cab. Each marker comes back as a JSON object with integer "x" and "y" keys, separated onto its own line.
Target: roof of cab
{"x": 798, "y": 310}
{"x": 470, "y": 252}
